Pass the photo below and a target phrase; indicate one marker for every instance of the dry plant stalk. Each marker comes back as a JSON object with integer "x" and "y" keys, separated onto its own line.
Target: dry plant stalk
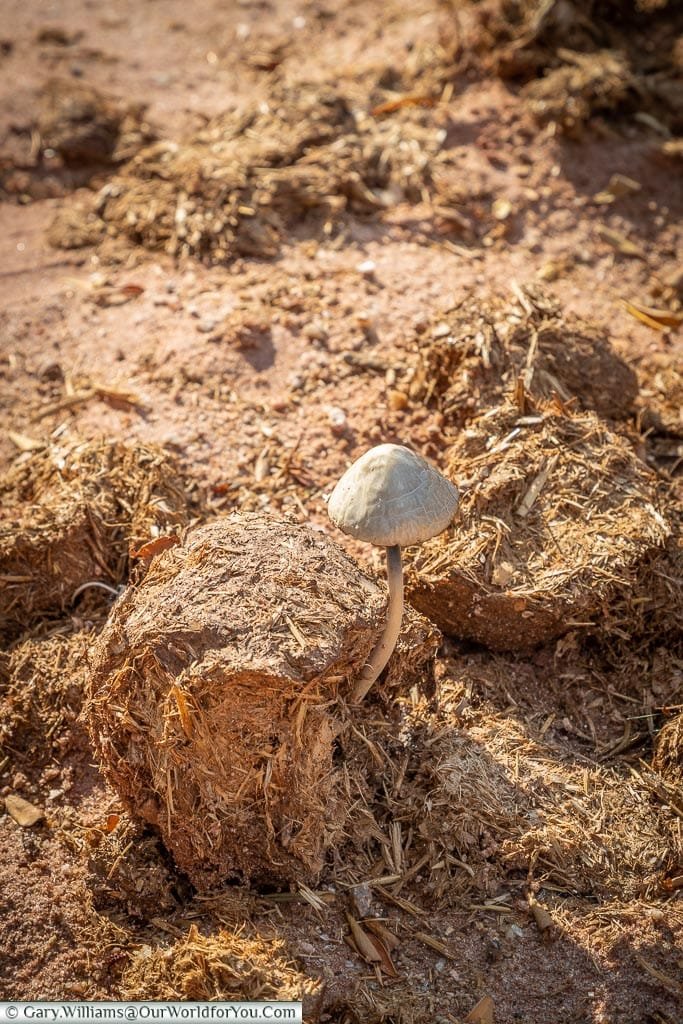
{"x": 217, "y": 695}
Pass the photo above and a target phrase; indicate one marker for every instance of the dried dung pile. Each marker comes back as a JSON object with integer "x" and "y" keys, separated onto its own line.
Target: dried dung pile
{"x": 119, "y": 853}
{"x": 472, "y": 356}
{"x": 650, "y": 612}
{"x": 499, "y": 786}
{"x": 225, "y": 965}
{"x": 85, "y": 127}
{"x": 214, "y": 689}
{"x": 557, "y": 515}
{"x": 581, "y": 57}
{"x": 72, "y": 133}
{"x": 69, "y": 516}
{"x": 235, "y": 187}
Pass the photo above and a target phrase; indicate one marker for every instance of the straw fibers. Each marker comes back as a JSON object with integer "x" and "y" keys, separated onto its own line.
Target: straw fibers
{"x": 668, "y": 756}
{"x": 225, "y": 965}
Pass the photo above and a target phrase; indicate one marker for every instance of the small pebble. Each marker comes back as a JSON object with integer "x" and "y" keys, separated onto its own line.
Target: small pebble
{"x": 336, "y": 417}
{"x": 24, "y": 813}
{"x": 362, "y": 899}
{"x": 315, "y": 332}
{"x": 206, "y": 326}
{"x": 397, "y": 400}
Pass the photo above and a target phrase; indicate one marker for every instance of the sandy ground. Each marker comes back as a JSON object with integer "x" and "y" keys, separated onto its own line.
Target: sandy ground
{"x": 314, "y": 388}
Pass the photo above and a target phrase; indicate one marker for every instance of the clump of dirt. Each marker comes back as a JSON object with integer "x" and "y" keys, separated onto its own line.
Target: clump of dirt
{"x": 217, "y": 695}
{"x": 668, "y": 755}
{"x": 579, "y": 57}
{"x": 69, "y": 517}
{"x": 233, "y": 189}
{"x": 86, "y": 127}
{"x": 42, "y": 683}
{"x": 76, "y": 134}
{"x": 75, "y": 228}
{"x": 556, "y": 516}
{"x": 651, "y": 611}
{"x": 126, "y": 868}
{"x": 225, "y": 965}
{"x": 485, "y": 349}
{"x": 584, "y": 85}
{"x": 661, "y": 396}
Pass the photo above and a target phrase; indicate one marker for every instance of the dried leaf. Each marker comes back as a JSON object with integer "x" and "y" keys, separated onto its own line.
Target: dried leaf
{"x": 154, "y": 547}
{"x": 117, "y": 296}
{"x": 658, "y": 319}
{"x": 111, "y": 823}
{"x": 390, "y": 940}
{"x": 403, "y": 101}
{"x": 482, "y": 1013}
{"x": 363, "y": 942}
{"x": 132, "y": 289}
{"x": 385, "y": 961}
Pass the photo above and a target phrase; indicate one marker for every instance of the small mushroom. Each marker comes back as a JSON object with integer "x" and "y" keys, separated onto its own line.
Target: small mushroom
{"x": 391, "y": 497}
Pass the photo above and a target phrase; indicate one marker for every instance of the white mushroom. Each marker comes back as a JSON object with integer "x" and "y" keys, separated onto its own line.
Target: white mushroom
{"x": 391, "y": 497}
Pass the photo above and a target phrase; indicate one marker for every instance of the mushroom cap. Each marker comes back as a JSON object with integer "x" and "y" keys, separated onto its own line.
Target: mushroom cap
{"x": 391, "y": 496}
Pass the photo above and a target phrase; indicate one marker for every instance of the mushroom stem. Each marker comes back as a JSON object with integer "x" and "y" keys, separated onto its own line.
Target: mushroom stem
{"x": 384, "y": 649}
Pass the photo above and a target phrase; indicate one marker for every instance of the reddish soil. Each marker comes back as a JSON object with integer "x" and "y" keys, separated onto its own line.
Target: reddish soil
{"x": 270, "y": 423}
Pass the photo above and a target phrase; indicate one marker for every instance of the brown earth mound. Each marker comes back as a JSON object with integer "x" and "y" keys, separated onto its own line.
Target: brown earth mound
{"x": 69, "y": 516}
{"x": 477, "y": 353}
{"x": 233, "y": 188}
{"x": 556, "y": 516}
{"x": 214, "y": 689}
